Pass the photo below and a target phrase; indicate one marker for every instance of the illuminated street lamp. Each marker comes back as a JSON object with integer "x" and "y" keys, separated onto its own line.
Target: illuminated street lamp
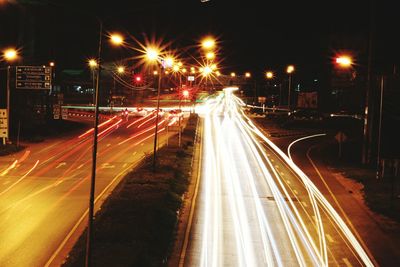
{"x": 218, "y": 73}
{"x": 344, "y": 61}
{"x": 9, "y": 55}
{"x": 210, "y": 55}
{"x": 247, "y": 75}
{"x": 52, "y": 64}
{"x": 233, "y": 74}
{"x": 121, "y": 69}
{"x": 155, "y": 73}
{"x": 289, "y": 70}
{"x": 116, "y": 39}
{"x": 269, "y": 75}
{"x": 208, "y": 43}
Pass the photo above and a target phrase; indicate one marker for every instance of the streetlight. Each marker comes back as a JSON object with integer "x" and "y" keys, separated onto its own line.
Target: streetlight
{"x": 93, "y": 66}
{"x": 289, "y": 70}
{"x": 9, "y": 55}
{"x": 153, "y": 55}
{"x": 208, "y": 43}
{"x": 344, "y": 61}
{"x": 233, "y": 74}
{"x": 210, "y": 55}
{"x": 116, "y": 39}
{"x": 269, "y": 75}
{"x": 247, "y": 75}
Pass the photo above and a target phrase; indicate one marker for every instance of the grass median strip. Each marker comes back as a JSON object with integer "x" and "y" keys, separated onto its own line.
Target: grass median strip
{"x": 136, "y": 225}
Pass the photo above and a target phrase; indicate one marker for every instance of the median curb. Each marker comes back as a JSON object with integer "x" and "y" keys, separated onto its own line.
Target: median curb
{"x": 186, "y": 212}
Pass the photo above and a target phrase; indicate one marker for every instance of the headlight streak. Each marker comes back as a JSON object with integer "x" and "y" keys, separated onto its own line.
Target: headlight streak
{"x": 300, "y": 139}
{"x": 322, "y": 200}
{"x": 286, "y": 213}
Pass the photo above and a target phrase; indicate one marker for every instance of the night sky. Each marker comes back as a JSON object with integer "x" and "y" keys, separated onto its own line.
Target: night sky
{"x": 253, "y": 35}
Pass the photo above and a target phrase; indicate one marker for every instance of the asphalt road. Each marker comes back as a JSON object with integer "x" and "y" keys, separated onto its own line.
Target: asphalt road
{"x": 256, "y": 207}
{"x": 44, "y": 189}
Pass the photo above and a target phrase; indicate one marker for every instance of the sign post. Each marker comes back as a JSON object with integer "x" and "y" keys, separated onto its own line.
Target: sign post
{"x": 340, "y": 137}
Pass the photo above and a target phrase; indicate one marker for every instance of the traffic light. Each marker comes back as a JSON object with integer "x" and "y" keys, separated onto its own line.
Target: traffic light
{"x": 137, "y": 79}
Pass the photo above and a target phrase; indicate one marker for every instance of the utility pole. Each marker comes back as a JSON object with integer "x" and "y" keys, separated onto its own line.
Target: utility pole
{"x": 378, "y": 157}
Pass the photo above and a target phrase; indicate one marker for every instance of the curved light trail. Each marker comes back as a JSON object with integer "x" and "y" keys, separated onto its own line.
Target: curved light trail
{"x": 257, "y": 207}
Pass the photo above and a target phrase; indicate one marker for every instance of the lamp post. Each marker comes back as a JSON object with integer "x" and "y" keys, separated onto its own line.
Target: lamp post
{"x": 270, "y": 75}
{"x": 117, "y": 40}
{"x": 289, "y": 70}
{"x": 9, "y": 55}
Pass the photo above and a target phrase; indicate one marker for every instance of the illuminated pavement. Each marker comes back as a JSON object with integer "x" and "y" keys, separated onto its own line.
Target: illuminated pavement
{"x": 256, "y": 207}
{"x": 44, "y": 190}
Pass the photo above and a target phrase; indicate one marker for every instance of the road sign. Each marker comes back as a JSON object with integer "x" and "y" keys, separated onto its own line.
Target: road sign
{"x": 190, "y": 78}
{"x": 33, "y": 77}
{"x": 56, "y": 111}
{"x": 340, "y": 137}
{"x": 3, "y": 123}
{"x": 64, "y": 113}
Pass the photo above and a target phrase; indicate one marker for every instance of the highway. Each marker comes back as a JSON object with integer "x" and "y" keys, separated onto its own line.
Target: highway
{"x": 256, "y": 207}
{"x": 44, "y": 190}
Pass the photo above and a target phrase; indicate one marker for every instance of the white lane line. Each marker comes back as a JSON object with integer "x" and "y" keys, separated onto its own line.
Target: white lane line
{"x": 304, "y": 204}
{"x": 288, "y": 182}
{"x": 108, "y": 145}
{"x": 80, "y": 166}
{"x": 123, "y": 166}
{"x": 276, "y": 166}
{"x": 61, "y": 164}
{"x": 294, "y": 191}
{"x": 134, "y": 153}
{"x": 282, "y": 173}
{"x": 346, "y": 261}
{"x": 329, "y": 237}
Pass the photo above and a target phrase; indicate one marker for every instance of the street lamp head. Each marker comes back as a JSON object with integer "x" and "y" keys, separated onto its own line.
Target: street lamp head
{"x": 155, "y": 73}
{"x": 52, "y": 64}
{"x": 175, "y": 68}
{"x": 344, "y": 61}
{"x": 92, "y": 63}
{"x": 208, "y": 43}
{"x": 210, "y": 55}
{"x": 169, "y": 62}
{"x": 290, "y": 69}
{"x": 184, "y": 70}
{"x": 207, "y": 70}
{"x": 116, "y": 39}
{"x": 233, "y": 74}
{"x": 121, "y": 69}
{"x": 247, "y": 74}
{"x": 218, "y": 73}
{"x": 269, "y": 74}
{"x": 10, "y": 54}
{"x": 152, "y": 54}
{"x": 213, "y": 66}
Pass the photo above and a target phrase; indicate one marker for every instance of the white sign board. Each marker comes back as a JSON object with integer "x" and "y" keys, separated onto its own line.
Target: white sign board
{"x": 190, "y": 78}
{"x": 3, "y": 123}
{"x": 64, "y": 113}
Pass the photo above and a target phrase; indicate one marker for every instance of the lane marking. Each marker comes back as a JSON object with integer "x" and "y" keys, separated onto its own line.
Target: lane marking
{"x": 108, "y": 145}
{"x": 304, "y": 204}
{"x": 294, "y": 191}
{"x": 123, "y": 166}
{"x": 329, "y": 237}
{"x": 134, "y": 153}
{"x": 61, "y": 164}
{"x": 80, "y": 166}
{"x": 347, "y": 262}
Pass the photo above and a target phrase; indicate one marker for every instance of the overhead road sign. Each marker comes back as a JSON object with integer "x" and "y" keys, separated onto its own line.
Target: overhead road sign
{"x": 33, "y": 77}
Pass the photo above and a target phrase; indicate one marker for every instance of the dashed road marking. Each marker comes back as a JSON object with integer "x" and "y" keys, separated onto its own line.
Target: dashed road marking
{"x": 304, "y": 204}
{"x": 294, "y": 191}
{"x": 287, "y": 181}
{"x": 108, "y": 145}
{"x": 330, "y": 239}
{"x": 61, "y": 164}
{"x": 346, "y": 261}
{"x": 134, "y": 153}
{"x": 123, "y": 166}
{"x": 80, "y": 166}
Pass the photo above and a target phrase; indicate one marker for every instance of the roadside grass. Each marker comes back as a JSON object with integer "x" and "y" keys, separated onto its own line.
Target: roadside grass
{"x": 136, "y": 225}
